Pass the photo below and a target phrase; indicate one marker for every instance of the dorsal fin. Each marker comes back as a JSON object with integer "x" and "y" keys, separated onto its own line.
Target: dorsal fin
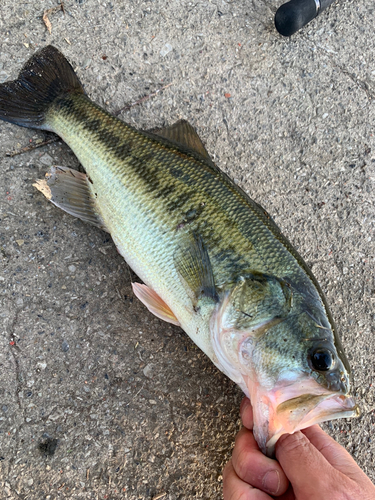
{"x": 183, "y": 133}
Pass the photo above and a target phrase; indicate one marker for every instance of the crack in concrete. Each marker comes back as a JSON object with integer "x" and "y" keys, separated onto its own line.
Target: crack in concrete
{"x": 357, "y": 81}
{"x": 13, "y": 349}
{"x": 19, "y": 386}
{"x": 360, "y": 83}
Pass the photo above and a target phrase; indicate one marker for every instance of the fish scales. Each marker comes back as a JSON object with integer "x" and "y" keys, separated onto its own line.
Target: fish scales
{"x": 237, "y": 226}
{"x": 212, "y": 260}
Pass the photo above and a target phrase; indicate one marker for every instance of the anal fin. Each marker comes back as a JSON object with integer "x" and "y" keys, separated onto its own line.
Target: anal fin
{"x": 154, "y": 303}
{"x": 70, "y": 190}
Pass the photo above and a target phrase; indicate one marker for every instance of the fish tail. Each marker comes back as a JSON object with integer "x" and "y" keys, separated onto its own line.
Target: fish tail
{"x": 46, "y": 76}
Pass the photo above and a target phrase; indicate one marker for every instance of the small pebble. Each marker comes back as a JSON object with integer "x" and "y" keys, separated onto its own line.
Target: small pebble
{"x": 147, "y": 371}
{"x": 3, "y": 76}
{"x": 86, "y": 63}
{"x": 46, "y": 160}
{"x": 166, "y": 49}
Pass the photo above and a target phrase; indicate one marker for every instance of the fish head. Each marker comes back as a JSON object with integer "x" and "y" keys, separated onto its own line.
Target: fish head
{"x": 280, "y": 347}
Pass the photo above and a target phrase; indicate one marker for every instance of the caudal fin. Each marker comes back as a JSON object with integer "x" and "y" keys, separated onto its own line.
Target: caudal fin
{"x": 46, "y": 76}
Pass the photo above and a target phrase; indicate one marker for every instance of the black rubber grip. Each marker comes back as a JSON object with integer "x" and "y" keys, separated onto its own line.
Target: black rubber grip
{"x": 292, "y": 16}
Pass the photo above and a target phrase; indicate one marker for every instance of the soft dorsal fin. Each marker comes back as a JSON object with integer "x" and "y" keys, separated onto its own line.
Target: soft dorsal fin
{"x": 154, "y": 303}
{"x": 183, "y": 133}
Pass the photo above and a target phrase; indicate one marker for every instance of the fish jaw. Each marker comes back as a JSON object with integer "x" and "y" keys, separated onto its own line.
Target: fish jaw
{"x": 296, "y": 402}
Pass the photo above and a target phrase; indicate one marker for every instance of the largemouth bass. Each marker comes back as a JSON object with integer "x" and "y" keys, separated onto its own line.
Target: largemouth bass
{"x": 211, "y": 259}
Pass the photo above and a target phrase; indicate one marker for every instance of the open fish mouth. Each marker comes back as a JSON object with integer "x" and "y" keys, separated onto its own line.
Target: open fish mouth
{"x": 306, "y": 410}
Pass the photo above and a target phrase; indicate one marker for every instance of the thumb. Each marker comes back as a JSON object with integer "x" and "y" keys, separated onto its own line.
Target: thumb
{"x": 337, "y": 456}
{"x": 310, "y": 474}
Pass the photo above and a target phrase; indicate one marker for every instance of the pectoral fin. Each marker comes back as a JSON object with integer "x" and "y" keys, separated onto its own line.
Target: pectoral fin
{"x": 154, "y": 303}
{"x": 70, "y": 190}
{"x": 193, "y": 264}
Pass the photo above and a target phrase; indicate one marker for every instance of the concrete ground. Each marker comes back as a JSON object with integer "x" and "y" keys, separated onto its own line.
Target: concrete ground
{"x": 99, "y": 399}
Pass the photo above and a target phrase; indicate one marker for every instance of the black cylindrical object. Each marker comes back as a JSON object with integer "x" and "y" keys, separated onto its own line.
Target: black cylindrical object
{"x": 293, "y": 15}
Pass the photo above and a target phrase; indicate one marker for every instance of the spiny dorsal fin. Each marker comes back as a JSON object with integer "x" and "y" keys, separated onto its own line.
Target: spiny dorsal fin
{"x": 183, "y": 133}
{"x": 193, "y": 264}
{"x": 70, "y": 190}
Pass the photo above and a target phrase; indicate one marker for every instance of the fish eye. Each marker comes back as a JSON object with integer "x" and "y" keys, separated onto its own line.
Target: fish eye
{"x": 322, "y": 360}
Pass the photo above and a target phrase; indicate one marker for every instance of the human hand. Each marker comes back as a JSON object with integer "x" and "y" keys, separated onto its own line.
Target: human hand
{"x": 310, "y": 465}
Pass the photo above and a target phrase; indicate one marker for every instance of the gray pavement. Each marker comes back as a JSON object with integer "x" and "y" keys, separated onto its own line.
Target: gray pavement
{"x": 98, "y": 398}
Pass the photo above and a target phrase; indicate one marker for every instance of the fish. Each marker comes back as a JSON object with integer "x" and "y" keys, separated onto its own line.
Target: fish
{"x": 211, "y": 259}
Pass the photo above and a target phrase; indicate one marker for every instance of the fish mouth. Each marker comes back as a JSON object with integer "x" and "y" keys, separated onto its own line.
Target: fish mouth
{"x": 309, "y": 409}
{"x": 293, "y": 405}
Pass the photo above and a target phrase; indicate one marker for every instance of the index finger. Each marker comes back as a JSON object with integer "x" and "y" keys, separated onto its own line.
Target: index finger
{"x": 254, "y": 468}
{"x": 236, "y": 489}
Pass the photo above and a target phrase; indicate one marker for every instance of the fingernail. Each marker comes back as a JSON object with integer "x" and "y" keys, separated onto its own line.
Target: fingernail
{"x": 244, "y": 405}
{"x": 271, "y": 481}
